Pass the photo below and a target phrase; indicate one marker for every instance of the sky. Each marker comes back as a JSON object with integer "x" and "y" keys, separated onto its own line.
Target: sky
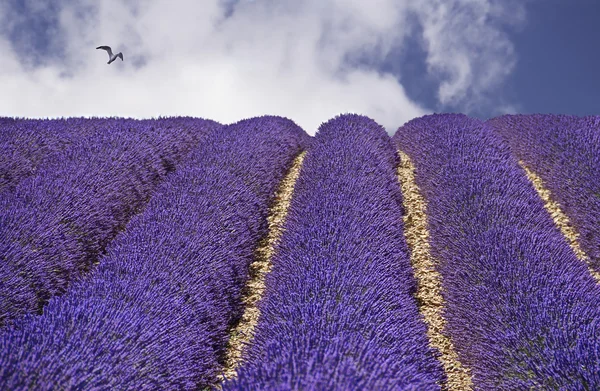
{"x": 307, "y": 60}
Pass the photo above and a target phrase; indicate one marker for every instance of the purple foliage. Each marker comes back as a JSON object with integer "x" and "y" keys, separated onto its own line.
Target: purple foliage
{"x": 156, "y": 312}
{"x": 522, "y": 310}
{"x": 565, "y": 152}
{"x": 338, "y": 311}
{"x": 56, "y": 223}
{"x": 28, "y": 144}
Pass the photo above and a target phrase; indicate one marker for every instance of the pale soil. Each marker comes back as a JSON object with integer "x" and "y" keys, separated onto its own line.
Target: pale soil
{"x": 429, "y": 280}
{"x": 560, "y": 218}
{"x": 243, "y": 334}
{"x": 417, "y": 236}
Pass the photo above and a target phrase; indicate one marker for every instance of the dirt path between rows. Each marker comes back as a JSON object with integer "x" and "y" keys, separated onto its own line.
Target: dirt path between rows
{"x": 429, "y": 280}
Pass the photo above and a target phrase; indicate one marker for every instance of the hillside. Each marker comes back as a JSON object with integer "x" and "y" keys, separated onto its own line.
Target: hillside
{"x": 183, "y": 254}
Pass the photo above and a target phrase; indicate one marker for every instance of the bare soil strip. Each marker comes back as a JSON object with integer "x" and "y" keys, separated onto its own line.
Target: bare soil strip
{"x": 429, "y": 280}
{"x": 560, "y": 218}
{"x": 243, "y": 333}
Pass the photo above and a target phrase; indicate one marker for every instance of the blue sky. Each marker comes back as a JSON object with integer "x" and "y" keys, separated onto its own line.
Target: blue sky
{"x": 558, "y": 69}
{"x": 308, "y": 60}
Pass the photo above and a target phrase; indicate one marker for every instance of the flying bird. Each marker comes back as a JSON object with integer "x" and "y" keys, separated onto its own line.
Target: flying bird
{"x": 111, "y": 57}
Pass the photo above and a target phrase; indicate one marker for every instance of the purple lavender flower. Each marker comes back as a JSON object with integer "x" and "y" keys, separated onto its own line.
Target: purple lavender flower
{"x": 57, "y": 221}
{"x": 565, "y": 152}
{"x": 522, "y": 310}
{"x": 338, "y": 311}
{"x": 156, "y": 312}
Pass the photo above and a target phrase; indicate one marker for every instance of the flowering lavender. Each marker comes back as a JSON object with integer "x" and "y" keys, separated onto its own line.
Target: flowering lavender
{"x": 57, "y": 221}
{"x": 155, "y": 313}
{"x": 27, "y": 144}
{"x": 565, "y": 151}
{"x": 522, "y": 310}
{"x": 338, "y": 311}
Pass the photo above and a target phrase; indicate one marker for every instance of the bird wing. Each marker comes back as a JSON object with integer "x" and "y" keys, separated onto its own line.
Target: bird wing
{"x": 107, "y": 48}
{"x": 120, "y": 55}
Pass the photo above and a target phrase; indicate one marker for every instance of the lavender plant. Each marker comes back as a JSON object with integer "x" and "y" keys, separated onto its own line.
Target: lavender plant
{"x": 338, "y": 312}
{"x": 26, "y": 145}
{"x": 522, "y": 310}
{"x": 56, "y": 223}
{"x": 156, "y": 312}
{"x": 565, "y": 152}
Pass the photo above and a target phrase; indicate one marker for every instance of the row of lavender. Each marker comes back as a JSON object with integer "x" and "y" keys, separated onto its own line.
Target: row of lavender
{"x": 29, "y": 143}
{"x": 155, "y": 314}
{"x": 57, "y": 222}
{"x": 521, "y": 309}
{"x": 338, "y": 311}
{"x": 565, "y": 152}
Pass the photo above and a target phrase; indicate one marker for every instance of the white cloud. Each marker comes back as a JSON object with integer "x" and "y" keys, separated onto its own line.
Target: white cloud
{"x": 467, "y": 47}
{"x": 281, "y": 57}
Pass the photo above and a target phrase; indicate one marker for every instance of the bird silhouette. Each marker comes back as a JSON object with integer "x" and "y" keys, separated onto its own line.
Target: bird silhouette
{"x": 111, "y": 57}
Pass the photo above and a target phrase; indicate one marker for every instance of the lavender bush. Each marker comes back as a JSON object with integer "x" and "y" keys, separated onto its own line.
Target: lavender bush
{"x": 522, "y": 310}
{"x": 56, "y": 223}
{"x": 338, "y": 311}
{"x": 565, "y": 152}
{"x": 155, "y": 314}
{"x": 28, "y": 144}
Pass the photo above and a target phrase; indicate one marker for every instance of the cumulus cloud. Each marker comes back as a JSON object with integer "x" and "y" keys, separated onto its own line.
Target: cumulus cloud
{"x": 227, "y": 60}
{"x": 466, "y": 47}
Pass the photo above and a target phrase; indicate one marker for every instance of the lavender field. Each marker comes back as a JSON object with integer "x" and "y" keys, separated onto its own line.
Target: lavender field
{"x": 183, "y": 254}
